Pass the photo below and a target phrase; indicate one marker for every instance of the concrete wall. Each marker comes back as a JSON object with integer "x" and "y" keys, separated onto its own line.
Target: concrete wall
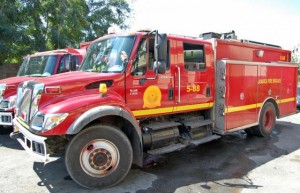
{"x": 8, "y": 70}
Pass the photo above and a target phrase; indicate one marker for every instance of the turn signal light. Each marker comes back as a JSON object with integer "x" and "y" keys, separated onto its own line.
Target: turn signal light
{"x": 52, "y": 90}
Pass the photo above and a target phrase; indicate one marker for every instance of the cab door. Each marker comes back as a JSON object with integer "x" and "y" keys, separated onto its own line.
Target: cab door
{"x": 146, "y": 94}
{"x": 194, "y": 77}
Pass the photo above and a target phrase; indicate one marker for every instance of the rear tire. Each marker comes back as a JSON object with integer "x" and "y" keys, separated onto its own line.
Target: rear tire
{"x": 267, "y": 121}
{"x": 100, "y": 156}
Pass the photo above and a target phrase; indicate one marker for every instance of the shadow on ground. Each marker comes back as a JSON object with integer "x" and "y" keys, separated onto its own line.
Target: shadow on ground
{"x": 6, "y": 141}
{"x": 230, "y": 157}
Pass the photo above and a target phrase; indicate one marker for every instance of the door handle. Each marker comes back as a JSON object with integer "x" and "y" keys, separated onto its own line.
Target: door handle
{"x": 178, "y": 74}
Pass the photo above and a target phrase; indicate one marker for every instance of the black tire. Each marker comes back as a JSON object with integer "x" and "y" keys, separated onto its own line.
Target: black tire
{"x": 100, "y": 156}
{"x": 266, "y": 123}
{"x": 5, "y": 130}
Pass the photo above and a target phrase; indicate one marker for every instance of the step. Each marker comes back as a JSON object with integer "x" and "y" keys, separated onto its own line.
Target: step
{"x": 192, "y": 119}
{"x": 199, "y": 123}
{"x": 167, "y": 149}
{"x": 205, "y": 139}
{"x": 158, "y": 126}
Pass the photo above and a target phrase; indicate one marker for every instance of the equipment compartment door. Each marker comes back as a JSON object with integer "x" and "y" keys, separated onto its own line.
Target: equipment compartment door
{"x": 241, "y": 95}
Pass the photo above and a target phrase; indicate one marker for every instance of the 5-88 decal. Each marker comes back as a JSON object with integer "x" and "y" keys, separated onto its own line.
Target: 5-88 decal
{"x": 193, "y": 88}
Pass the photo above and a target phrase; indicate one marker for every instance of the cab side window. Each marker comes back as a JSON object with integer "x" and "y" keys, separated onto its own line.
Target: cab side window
{"x": 68, "y": 63}
{"x": 74, "y": 63}
{"x": 144, "y": 59}
{"x": 64, "y": 64}
{"x": 194, "y": 59}
{"x": 151, "y": 54}
{"x": 139, "y": 66}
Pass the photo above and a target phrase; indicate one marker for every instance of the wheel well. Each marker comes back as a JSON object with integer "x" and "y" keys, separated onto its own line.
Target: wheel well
{"x": 275, "y": 105}
{"x": 126, "y": 127}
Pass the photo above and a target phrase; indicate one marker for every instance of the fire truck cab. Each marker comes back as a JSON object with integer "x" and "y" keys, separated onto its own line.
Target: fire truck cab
{"x": 35, "y": 66}
{"x": 148, "y": 93}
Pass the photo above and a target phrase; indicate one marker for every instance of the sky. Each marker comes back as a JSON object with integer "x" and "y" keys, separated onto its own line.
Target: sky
{"x": 269, "y": 21}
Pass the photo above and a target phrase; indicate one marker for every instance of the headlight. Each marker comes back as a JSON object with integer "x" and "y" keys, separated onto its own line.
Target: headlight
{"x": 8, "y": 104}
{"x": 44, "y": 122}
{"x": 12, "y": 102}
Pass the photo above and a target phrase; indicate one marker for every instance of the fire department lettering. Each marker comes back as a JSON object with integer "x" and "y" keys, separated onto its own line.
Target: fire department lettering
{"x": 269, "y": 81}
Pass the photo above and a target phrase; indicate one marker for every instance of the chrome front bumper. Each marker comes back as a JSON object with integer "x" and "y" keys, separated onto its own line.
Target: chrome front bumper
{"x": 35, "y": 145}
{"x": 6, "y": 118}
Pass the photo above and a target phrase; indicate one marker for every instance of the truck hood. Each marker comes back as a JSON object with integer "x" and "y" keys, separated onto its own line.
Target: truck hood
{"x": 77, "y": 77}
{"x": 13, "y": 83}
{"x": 16, "y": 80}
{"x": 75, "y": 84}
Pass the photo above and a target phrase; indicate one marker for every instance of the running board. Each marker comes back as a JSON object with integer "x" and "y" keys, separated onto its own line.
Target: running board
{"x": 167, "y": 149}
{"x": 205, "y": 139}
{"x": 179, "y": 146}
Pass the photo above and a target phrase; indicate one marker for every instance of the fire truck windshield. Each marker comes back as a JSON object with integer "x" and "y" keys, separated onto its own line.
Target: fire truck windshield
{"x": 38, "y": 66}
{"x": 108, "y": 55}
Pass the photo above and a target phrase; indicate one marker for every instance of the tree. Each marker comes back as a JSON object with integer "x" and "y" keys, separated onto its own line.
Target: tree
{"x": 13, "y": 38}
{"x": 296, "y": 56}
{"x": 28, "y": 26}
{"x": 104, "y": 13}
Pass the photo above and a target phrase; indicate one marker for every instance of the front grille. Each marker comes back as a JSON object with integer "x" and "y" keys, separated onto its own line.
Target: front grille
{"x": 24, "y": 106}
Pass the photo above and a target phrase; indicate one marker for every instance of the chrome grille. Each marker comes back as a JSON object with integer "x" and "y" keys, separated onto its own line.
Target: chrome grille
{"x": 25, "y": 109}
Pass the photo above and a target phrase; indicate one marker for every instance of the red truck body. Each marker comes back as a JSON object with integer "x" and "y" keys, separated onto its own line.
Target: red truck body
{"x": 193, "y": 91}
{"x": 34, "y": 67}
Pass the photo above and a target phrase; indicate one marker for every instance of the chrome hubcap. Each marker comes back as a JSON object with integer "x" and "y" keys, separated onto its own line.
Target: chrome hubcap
{"x": 99, "y": 158}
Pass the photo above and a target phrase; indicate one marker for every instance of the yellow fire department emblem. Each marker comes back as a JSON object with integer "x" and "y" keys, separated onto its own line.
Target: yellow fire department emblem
{"x": 152, "y": 97}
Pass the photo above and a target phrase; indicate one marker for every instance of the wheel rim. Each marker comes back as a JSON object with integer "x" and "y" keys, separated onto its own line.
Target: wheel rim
{"x": 269, "y": 120}
{"x": 99, "y": 158}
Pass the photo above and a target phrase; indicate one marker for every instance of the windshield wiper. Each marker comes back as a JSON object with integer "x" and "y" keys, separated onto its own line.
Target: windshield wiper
{"x": 90, "y": 70}
{"x": 36, "y": 75}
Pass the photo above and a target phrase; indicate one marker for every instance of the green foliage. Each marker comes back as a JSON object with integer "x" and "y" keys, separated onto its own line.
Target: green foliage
{"x": 13, "y": 37}
{"x": 296, "y": 60}
{"x": 28, "y": 26}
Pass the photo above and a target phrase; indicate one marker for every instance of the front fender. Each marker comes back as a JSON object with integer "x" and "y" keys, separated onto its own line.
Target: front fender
{"x": 97, "y": 112}
{"x": 102, "y": 111}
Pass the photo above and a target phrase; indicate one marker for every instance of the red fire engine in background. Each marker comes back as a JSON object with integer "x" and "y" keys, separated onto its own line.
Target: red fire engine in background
{"x": 148, "y": 93}
{"x": 35, "y": 66}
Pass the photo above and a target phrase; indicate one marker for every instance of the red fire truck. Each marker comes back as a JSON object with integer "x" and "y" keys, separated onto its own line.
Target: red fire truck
{"x": 35, "y": 66}
{"x": 148, "y": 93}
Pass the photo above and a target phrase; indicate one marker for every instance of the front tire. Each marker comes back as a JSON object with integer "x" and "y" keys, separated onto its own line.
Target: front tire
{"x": 100, "y": 156}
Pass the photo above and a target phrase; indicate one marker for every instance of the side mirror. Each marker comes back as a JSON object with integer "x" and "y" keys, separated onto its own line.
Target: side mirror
{"x": 160, "y": 67}
{"x": 160, "y": 52}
